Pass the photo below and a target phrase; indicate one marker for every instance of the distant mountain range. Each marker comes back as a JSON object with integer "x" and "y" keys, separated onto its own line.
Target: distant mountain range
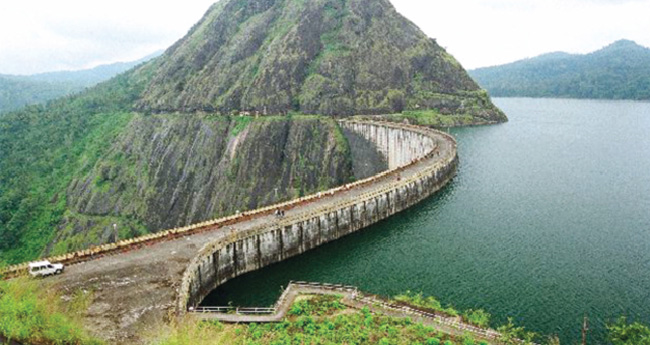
{"x": 19, "y": 91}
{"x": 618, "y": 71}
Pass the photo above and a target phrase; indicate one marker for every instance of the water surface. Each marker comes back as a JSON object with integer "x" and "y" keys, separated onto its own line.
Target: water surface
{"x": 547, "y": 220}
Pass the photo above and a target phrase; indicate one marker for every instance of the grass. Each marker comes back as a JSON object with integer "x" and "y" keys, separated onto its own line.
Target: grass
{"x": 241, "y": 122}
{"x": 478, "y": 317}
{"x": 426, "y": 302}
{"x": 33, "y": 314}
{"x": 432, "y": 118}
{"x": 40, "y": 205}
{"x": 325, "y": 305}
{"x": 511, "y": 334}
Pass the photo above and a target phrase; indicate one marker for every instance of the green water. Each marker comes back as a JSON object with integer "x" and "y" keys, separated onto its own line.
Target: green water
{"x": 548, "y": 219}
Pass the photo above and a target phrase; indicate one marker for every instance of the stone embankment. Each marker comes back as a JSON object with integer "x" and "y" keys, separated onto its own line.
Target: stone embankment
{"x": 138, "y": 283}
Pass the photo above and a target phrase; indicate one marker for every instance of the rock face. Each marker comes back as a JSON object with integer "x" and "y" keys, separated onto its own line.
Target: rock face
{"x": 331, "y": 57}
{"x": 167, "y": 171}
{"x": 366, "y": 159}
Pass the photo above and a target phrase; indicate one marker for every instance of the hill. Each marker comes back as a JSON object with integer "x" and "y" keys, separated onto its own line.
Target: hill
{"x": 329, "y": 57}
{"x": 159, "y": 146}
{"x": 19, "y": 91}
{"x": 618, "y": 71}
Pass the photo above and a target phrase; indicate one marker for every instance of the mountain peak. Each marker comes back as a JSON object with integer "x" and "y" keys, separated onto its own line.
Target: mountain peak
{"x": 622, "y": 45}
{"x": 331, "y": 57}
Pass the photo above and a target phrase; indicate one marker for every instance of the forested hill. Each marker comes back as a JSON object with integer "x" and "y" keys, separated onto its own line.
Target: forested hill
{"x": 19, "y": 91}
{"x": 618, "y": 71}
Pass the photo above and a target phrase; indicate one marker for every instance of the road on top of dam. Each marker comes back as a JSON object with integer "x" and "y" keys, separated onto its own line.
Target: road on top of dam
{"x": 134, "y": 293}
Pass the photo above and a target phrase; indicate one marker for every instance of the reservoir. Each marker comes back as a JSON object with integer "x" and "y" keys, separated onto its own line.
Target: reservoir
{"x": 547, "y": 220}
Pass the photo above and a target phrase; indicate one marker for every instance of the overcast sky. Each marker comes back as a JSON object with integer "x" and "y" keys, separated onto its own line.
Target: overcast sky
{"x": 47, "y": 35}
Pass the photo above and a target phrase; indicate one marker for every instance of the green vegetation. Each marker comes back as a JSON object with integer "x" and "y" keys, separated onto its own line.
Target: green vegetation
{"x": 618, "y": 71}
{"x": 510, "y": 334}
{"x": 17, "y": 92}
{"x": 41, "y": 149}
{"x": 316, "y": 320}
{"x": 432, "y": 118}
{"x": 480, "y": 318}
{"x": 450, "y": 111}
{"x": 426, "y": 302}
{"x": 241, "y": 122}
{"x": 270, "y": 58}
{"x": 33, "y": 200}
{"x": 324, "y": 305}
{"x": 623, "y": 333}
{"x": 32, "y": 314}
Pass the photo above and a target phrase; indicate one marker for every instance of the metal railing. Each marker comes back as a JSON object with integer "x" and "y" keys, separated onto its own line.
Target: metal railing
{"x": 353, "y": 293}
{"x": 278, "y": 304}
{"x": 233, "y": 310}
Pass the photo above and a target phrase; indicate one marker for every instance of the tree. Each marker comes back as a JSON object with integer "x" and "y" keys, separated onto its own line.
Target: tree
{"x": 623, "y": 333}
{"x": 553, "y": 340}
{"x": 511, "y": 334}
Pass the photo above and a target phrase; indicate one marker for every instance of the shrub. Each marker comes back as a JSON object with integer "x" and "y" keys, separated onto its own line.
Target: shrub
{"x": 623, "y": 333}
{"x": 479, "y": 318}
{"x": 30, "y": 313}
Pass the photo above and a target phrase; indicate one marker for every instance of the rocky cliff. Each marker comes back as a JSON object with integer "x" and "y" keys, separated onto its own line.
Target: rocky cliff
{"x": 166, "y": 171}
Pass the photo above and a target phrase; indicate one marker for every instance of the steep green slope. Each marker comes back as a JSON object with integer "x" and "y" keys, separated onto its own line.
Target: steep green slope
{"x": 169, "y": 171}
{"x": 42, "y": 148}
{"x": 332, "y": 57}
{"x": 618, "y": 71}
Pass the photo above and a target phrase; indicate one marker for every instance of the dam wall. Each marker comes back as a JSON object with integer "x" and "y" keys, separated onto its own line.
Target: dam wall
{"x": 399, "y": 146}
{"x": 421, "y": 162}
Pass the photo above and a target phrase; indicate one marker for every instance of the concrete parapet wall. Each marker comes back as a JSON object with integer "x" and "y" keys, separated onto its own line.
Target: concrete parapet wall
{"x": 404, "y": 147}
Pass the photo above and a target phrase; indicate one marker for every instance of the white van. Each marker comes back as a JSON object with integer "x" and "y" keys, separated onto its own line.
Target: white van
{"x": 44, "y": 268}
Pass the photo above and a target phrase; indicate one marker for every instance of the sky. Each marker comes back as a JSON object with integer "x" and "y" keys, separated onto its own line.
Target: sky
{"x": 49, "y": 35}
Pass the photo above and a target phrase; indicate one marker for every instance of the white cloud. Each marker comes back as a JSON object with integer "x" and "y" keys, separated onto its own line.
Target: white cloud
{"x": 44, "y": 35}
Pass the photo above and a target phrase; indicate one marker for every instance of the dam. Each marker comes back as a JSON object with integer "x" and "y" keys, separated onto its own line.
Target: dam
{"x": 139, "y": 283}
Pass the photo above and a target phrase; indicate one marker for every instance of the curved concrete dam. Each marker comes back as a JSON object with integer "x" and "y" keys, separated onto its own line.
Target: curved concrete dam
{"x": 225, "y": 259}
{"x": 138, "y": 283}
